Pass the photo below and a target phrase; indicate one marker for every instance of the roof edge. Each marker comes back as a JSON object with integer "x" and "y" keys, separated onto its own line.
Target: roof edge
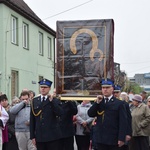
{"x": 28, "y": 16}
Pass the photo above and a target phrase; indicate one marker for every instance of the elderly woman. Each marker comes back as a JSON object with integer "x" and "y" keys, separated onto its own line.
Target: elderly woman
{"x": 140, "y": 124}
{"x": 124, "y": 96}
{"x": 148, "y": 103}
{"x": 83, "y": 121}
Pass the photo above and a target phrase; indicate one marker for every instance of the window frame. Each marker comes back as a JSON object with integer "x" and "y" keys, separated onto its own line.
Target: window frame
{"x": 41, "y": 46}
{"x": 49, "y": 48}
{"x": 14, "y": 30}
{"x": 25, "y": 35}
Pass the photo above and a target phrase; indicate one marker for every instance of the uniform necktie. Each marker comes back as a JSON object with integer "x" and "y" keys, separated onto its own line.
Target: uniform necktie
{"x": 43, "y": 100}
{"x": 106, "y": 100}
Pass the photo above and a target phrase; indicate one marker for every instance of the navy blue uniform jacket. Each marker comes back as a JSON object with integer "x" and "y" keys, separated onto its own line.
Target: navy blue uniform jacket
{"x": 129, "y": 119}
{"x": 66, "y": 120}
{"x": 45, "y": 127}
{"x": 111, "y": 123}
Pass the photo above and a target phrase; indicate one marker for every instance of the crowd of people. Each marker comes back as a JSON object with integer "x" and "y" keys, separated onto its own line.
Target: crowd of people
{"x": 114, "y": 121}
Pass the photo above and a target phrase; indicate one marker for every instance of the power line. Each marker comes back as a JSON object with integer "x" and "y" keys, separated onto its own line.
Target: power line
{"x": 68, "y": 10}
{"x": 136, "y": 62}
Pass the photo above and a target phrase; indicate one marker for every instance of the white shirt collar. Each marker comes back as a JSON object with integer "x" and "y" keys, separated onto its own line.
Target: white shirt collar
{"x": 44, "y": 96}
{"x": 108, "y": 97}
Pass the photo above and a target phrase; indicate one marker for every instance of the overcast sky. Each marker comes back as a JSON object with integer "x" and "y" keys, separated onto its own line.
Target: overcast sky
{"x": 132, "y": 25}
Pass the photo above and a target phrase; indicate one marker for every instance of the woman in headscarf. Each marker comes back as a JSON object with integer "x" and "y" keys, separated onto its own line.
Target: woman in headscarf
{"x": 140, "y": 124}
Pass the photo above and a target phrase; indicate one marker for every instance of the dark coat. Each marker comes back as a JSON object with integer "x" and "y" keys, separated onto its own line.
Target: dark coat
{"x": 12, "y": 142}
{"x": 44, "y": 127}
{"x": 129, "y": 119}
{"x": 111, "y": 125}
{"x": 66, "y": 120}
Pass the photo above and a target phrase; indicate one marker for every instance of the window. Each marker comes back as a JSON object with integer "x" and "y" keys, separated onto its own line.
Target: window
{"x": 14, "y": 83}
{"x": 25, "y": 36}
{"x": 14, "y": 30}
{"x": 49, "y": 48}
{"x": 40, "y": 43}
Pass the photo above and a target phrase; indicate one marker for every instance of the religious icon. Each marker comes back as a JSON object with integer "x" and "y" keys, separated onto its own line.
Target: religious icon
{"x": 84, "y": 56}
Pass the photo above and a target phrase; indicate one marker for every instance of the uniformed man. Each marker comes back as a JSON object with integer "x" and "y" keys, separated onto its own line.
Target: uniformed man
{"x": 111, "y": 126}
{"x": 123, "y": 96}
{"x": 66, "y": 123}
{"x": 67, "y": 126}
{"x": 117, "y": 91}
{"x": 44, "y": 123}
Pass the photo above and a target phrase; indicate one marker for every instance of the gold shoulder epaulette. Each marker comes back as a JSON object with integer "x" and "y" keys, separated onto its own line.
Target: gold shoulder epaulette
{"x": 35, "y": 114}
{"x": 37, "y": 96}
{"x": 100, "y": 113}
